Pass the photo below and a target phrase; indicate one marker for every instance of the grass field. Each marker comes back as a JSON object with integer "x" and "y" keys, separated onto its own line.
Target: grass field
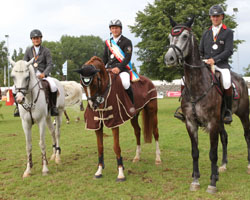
{"x": 73, "y": 179}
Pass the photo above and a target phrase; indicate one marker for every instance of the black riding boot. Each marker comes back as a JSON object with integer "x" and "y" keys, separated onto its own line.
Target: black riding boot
{"x": 16, "y": 111}
{"x": 228, "y": 101}
{"x": 130, "y": 94}
{"x": 178, "y": 113}
{"x": 54, "y": 110}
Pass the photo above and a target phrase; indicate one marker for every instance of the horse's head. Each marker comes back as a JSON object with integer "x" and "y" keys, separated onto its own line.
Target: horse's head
{"x": 180, "y": 40}
{"x": 92, "y": 75}
{"x": 21, "y": 77}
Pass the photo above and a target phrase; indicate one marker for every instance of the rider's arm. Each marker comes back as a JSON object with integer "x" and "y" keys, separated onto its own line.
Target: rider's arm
{"x": 105, "y": 57}
{"x": 228, "y": 49}
{"x": 26, "y": 55}
{"x": 128, "y": 54}
{"x": 49, "y": 64}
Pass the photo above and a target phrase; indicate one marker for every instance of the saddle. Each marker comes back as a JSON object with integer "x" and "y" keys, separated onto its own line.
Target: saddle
{"x": 220, "y": 89}
{"x": 46, "y": 88}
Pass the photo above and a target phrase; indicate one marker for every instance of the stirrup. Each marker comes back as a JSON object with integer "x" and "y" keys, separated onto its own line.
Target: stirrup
{"x": 54, "y": 111}
{"x": 228, "y": 117}
{"x": 179, "y": 115}
{"x": 16, "y": 112}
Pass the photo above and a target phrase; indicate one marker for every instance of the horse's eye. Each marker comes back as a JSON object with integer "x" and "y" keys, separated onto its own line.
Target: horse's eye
{"x": 185, "y": 37}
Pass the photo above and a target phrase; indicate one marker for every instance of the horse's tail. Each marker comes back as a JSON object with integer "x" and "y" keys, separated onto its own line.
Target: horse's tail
{"x": 147, "y": 124}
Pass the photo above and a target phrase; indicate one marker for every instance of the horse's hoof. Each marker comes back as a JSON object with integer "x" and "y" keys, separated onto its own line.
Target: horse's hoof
{"x": 211, "y": 189}
{"x": 58, "y": 160}
{"x": 248, "y": 170}
{"x": 98, "y": 176}
{"x": 45, "y": 173}
{"x": 53, "y": 156}
{"x": 67, "y": 122}
{"x": 121, "y": 179}
{"x": 25, "y": 175}
{"x": 136, "y": 160}
{"x": 222, "y": 169}
{"x": 194, "y": 187}
{"x": 158, "y": 162}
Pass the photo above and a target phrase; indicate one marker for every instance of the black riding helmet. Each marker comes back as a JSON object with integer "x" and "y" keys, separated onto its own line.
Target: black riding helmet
{"x": 216, "y": 10}
{"x": 115, "y": 22}
{"x": 35, "y": 33}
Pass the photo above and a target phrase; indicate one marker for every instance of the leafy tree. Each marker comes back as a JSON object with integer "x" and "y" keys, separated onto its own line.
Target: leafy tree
{"x": 153, "y": 27}
{"x": 247, "y": 71}
{"x": 18, "y": 56}
{"x": 3, "y": 61}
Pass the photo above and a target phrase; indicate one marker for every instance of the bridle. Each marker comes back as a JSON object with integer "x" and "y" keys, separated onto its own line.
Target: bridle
{"x": 176, "y": 49}
{"x": 98, "y": 98}
{"x": 25, "y": 90}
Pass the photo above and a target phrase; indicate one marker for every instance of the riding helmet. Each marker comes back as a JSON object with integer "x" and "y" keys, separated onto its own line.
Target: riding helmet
{"x": 35, "y": 33}
{"x": 115, "y": 22}
{"x": 216, "y": 10}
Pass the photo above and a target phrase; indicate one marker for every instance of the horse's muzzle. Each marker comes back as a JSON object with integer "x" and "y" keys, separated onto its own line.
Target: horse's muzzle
{"x": 20, "y": 98}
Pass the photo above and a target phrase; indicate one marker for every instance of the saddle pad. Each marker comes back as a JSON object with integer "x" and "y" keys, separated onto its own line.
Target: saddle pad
{"x": 117, "y": 107}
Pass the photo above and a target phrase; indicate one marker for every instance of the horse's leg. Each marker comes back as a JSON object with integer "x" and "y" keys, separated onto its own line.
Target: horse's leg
{"x": 224, "y": 141}
{"x": 155, "y": 131}
{"x": 52, "y": 132}
{"x": 245, "y": 122}
{"x": 192, "y": 129}
{"x": 213, "y": 155}
{"x": 41, "y": 125}
{"x": 117, "y": 151}
{"x": 137, "y": 131}
{"x": 58, "y": 126}
{"x": 27, "y": 130}
{"x": 99, "y": 137}
{"x": 67, "y": 117}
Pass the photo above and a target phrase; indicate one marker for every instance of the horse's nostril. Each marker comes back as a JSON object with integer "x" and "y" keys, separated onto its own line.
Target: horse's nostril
{"x": 171, "y": 58}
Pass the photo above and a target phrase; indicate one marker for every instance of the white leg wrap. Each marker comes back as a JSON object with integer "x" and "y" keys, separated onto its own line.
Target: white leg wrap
{"x": 99, "y": 171}
{"x": 120, "y": 173}
{"x": 27, "y": 171}
{"x": 158, "y": 152}
{"x": 137, "y": 154}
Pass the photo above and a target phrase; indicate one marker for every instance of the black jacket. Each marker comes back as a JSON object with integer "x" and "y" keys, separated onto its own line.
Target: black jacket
{"x": 225, "y": 46}
{"x": 44, "y": 60}
{"x": 126, "y": 45}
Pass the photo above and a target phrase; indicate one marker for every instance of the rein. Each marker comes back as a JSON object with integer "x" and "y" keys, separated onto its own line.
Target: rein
{"x": 30, "y": 106}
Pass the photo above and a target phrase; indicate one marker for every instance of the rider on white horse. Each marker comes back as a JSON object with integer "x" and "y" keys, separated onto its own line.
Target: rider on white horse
{"x": 43, "y": 66}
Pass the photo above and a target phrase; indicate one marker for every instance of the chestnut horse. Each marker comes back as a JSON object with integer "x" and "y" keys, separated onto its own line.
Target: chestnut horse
{"x": 202, "y": 105}
{"x": 96, "y": 84}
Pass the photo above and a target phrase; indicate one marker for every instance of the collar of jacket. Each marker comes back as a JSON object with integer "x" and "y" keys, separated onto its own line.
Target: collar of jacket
{"x": 223, "y": 26}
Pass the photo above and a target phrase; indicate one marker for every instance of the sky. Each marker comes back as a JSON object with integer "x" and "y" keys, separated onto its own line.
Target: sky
{"x": 91, "y": 17}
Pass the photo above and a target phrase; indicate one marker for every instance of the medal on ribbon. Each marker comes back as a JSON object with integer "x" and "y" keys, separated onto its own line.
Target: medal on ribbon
{"x": 35, "y": 57}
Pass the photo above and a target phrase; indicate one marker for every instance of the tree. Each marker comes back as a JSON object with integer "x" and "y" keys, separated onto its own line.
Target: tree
{"x": 76, "y": 50}
{"x": 3, "y": 61}
{"x": 17, "y": 56}
{"x": 153, "y": 27}
{"x": 247, "y": 70}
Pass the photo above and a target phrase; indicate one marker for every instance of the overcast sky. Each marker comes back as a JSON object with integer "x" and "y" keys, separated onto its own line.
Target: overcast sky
{"x": 91, "y": 17}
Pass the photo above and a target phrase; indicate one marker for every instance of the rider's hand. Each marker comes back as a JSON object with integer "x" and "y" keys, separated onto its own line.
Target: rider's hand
{"x": 210, "y": 61}
{"x": 116, "y": 70}
{"x": 41, "y": 76}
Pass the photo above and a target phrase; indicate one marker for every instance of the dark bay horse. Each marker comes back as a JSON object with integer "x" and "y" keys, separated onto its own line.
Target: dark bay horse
{"x": 99, "y": 86}
{"x": 201, "y": 103}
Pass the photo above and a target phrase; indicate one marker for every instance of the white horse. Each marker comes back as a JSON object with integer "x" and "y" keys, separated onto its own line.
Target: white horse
{"x": 32, "y": 105}
{"x": 73, "y": 97}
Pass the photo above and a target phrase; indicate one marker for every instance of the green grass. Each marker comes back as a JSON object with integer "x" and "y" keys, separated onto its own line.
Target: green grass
{"x": 73, "y": 179}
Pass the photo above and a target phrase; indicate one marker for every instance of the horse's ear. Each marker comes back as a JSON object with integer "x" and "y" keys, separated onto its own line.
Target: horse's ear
{"x": 30, "y": 62}
{"x": 11, "y": 61}
{"x": 78, "y": 70}
{"x": 172, "y": 22}
{"x": 190, "y": 22}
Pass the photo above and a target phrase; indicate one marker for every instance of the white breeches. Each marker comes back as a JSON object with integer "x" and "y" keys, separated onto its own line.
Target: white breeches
{"x": 52, "y": 83}
{"x": 226, "y": 77}
{"x": 125, "y": 77}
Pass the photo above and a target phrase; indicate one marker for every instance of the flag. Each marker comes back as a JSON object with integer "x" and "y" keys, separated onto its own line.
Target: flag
{"x": 65, "y": 67}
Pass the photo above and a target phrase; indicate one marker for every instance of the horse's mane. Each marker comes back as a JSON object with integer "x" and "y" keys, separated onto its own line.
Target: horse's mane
{"x": 96, "y": 61}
